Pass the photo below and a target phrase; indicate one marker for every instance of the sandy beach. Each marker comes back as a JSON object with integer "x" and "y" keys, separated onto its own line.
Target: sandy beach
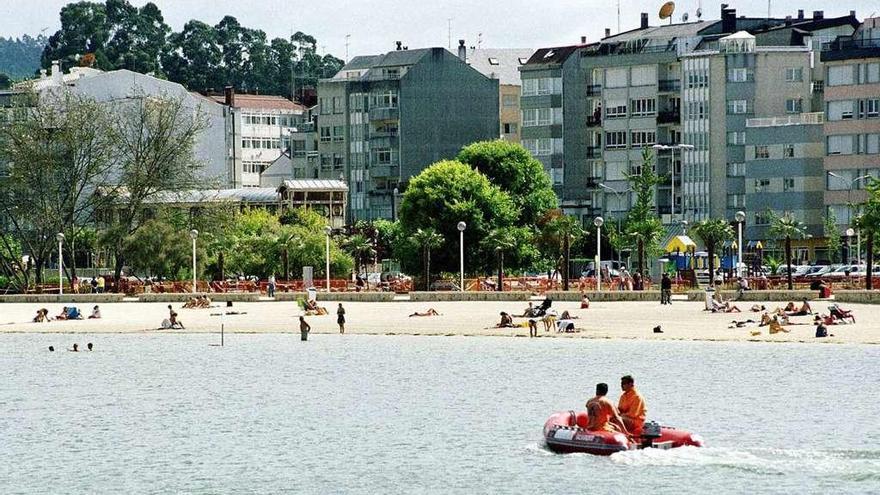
{"x": 610, "y": 320}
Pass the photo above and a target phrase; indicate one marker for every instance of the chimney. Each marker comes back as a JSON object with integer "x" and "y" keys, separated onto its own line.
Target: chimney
{"x": 728, "y": 19}
{"x": 229, "y": 93}
{"x": 462, "y": 51}
{"x": 788, "y": 20}
{"x": 852, "y": 13}
{"x": 399, "y": 45}
{"x": 607, "y": 32}
{"x": 42, "y": 73}
{"x": 644, "y": 20}
{"x": 56, "y": 74}
{"x": 818, "y": 15}
{"x": 800, "y": 14}
{"x": 583, "y": 40}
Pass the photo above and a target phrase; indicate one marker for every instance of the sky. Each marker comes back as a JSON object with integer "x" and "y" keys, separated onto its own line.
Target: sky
{"x": 373, "y": 26}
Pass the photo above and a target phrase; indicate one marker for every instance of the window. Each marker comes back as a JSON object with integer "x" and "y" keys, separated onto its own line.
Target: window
{"x": 840, "y": 145}
{"x": 337, "y": 104}
{"x": 545, "y": 116}
{"x": 788, "y": 151}
{"x": 818, "y": 86}
{"x": 616, "y": 170}
{"x": 793, "y": 105}
{"x": 643, "y": 75}
{"x": 869, "y": 73}
{"x": 840, "y": 110}
{"x": 871, "y": 109}
{"x": 493, "y": 61}
{"x": 539, "y": 147}
{"x": 697, "y": 78}
{"x": 762, "y": 152}
{"x": 840, "y": 75}
{"x": 736, "y": 137}
{"x": 323, "y": 106}
{"x": 762, "y": 218}
{"x": 696, "y": 110}
{"x": 383, "y": 155}
{"x": 736, "y": 200}
{"x": 615, "y": 140}
{"x": 740, "y": 74}
{"x": 761, "y": 184}
{"x": 541, "y": 86}
{"x": 615, "y": 109}
{"x": 509, "y": 128}
{"x": 510, "y": 101}
{"x": 872, "y": 146}
{"x": 615, "y": 78}
{"x": 794, "y": 74}
{"x": 338, "y": 160}
{"x": 384, "y": 99}
{"x": 736, "y": 169}
{"x": 537, "y": 116}
{"x": 738, "y": 106}
{"x": 325, "y": 134}
{"x": 788, "y": 184}
{"x": 643, "y": 106}
{"x": 639, "y": 139}
{"x": 338, "y": 133}
{"x": 326, "y": 161}
{"x": 557, "y": 175}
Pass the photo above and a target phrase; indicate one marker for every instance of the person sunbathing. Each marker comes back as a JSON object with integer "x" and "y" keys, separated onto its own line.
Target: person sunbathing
{"x": 724, "y": 307}
{"x": 776, "y": 327}
{"x": 789, "y": 307}
{"x": 841, "y": 314}
{"x": 585, "y": 302}
{"x": 429, "y": 312}
{"x": 191, "y": 303}
{"x": 765, "y": 320}
{"x": 96, "y": 313}
{"x": 804, "y": 310}
{"x": 203, "y": 302}
{"x": 42, "y": 316}
{"x": 740, "y": 324}
{"x": 506, "y": 321}
{"x": 529, "y": 312}
{"x": 757, "y": 308}
{"x": 63, "y": 314}
{"x": 567, "y": 316}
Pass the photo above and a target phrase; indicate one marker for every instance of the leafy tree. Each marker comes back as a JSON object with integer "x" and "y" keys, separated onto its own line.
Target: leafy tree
{"x": 787, "y": 227}
{"x": 869, "y": 223}
{"x": 513, "y": 169}
{"x": 360, "y": 247}
{"x": 83, "y": 30}
{"x": 557, "y": 234}
{"x": 193, "y": 57}
{"x": 157, "y": 249}
{"x": 642, "y": 222}
{"x": 138, "y": 36}
{"x": 713, "y": 232}
{"x": 444, "y": 194}
{"x": 426, "y": 240}
{"x": 832, "y": 236}
{"x": 500, "y": 241}
{"x": 20, "y": 57}
{"x": 5, "y": 81}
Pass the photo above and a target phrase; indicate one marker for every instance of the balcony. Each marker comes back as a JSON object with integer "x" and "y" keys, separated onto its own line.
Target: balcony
{"x": 377, "y": 134}
{"x": 384, "y": 114}
{"x": 594, "y": 90}
{"x": 669, "y": 86}
{"x": 594, "y": 121}
{"x": 384, "y": 170}
{"x": 843, "y": 49}
{"x": 798, "y": 119}
{"x": 669, "y": 117}
{"x": 594, "y": 151}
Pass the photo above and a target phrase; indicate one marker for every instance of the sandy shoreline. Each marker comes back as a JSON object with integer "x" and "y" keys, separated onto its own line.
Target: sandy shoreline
{"x": 611, "y": 320}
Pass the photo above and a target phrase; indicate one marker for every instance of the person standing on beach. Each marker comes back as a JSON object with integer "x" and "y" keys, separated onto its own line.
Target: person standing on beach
{"x": 304, "y": 329}
{"x": 101, "y": 284}
{"x": 270, "y": 287}
{"x": 533, "y": 327}
{"x": 665, "y": 289}
{"x": 340, "y": 318}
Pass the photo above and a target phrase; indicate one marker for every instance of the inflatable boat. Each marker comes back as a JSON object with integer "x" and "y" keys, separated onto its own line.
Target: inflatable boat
{"x": 565, "y": 432}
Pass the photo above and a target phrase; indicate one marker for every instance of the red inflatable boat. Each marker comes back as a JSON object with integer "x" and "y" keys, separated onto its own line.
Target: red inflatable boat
{"x": 565, "y": 432}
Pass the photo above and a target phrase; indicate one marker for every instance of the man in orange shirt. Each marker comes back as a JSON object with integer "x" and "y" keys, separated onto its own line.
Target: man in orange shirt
{"x": 632, "y": 406}
{"x": 603, "y": 414}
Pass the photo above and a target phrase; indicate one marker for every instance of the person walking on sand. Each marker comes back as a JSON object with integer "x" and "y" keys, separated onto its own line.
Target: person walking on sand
{"x": 304, "y": 329}
{"x": 270, "y": 287}
{"x": 533, "y": 327}
{"x": 665, "y": 289}
{"x": 340, "y": 318}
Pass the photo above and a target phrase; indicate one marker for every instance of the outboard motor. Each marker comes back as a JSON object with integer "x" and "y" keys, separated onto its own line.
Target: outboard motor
{"x": 650, "y": 432}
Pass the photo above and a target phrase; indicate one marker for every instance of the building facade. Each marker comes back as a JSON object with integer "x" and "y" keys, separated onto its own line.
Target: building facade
{"x": 852, "y": 124}
{"x": 502, "y": 64}
{"x": 383, "y": 119}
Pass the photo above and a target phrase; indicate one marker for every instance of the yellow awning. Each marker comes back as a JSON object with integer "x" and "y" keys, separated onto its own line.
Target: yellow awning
{"x": 680, "y": 243}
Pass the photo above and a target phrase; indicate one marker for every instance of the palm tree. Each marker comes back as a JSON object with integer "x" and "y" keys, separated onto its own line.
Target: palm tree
{"x": 786, "y": 227}
{"x": 427, "y": 239}
{"x": 500, "y": 240}
{"x": 713, "y": 232}
{"x": 869, "y": 223}
{"x": 562, "y": 231}
{"x": 360, "y": 248}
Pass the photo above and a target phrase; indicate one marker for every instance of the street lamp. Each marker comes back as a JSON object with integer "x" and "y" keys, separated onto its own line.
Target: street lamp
{"x": 60, "y": 238}
{"x": 672, "y": 147}
{"x": 740, "y": 218}
{"x": 598, "y": 222}
{"x": 394, "y": 204}
{"x": 849, "y": 235}
{"x": 194, "y": 234}
{"x": 328, "y": 230}
{"x": 616, "y": 193}
{"x": 461, "y": 227}
{"x": 852, "y": 184}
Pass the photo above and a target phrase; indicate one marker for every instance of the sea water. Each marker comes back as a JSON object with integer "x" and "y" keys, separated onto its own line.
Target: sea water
{"x": 166, "y": 413}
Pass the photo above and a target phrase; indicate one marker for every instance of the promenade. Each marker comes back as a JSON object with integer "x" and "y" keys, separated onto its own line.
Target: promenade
{"x": 604, "y": 320}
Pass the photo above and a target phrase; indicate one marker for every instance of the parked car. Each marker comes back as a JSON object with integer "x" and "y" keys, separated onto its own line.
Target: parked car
{"x": 823, "y": 271}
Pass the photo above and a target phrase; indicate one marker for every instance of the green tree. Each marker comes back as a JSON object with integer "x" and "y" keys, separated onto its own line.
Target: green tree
{"x": 427, "y": 239}
{"x": 713, "y": 232}
{"x": 444, "y": 194}
{"x": 361, "y": 249}
{"x": 5, "y": 81}
{"x": 787, "y": 227}
{"x": 83, "y": 30}
{"x": 193, "y": 57}
{"x": 513, "y": 169}
{"x": 138, "y": 36}
{"x": 869, "y": 223}
{"x": 558, "y": 234}
{"x": 157, "y": 249}
{"x": 832, "y": 236}
{"x": 501, "y": 240}
{"x": 641, "y": 221}
{"x": 20, "y": 57}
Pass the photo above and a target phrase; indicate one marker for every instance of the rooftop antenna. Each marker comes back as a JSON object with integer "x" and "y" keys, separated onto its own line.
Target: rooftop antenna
{"x": 699, "y": 10}
{"x": 449, "y": 32}
{"x": 768, "y": 8}
{"x": 479, "y": 40}
{"x": 666, "y": 11}
{"x": 618, "y": 16}
{"x": 684, "y": 17}
{"x": 347, "y": 43}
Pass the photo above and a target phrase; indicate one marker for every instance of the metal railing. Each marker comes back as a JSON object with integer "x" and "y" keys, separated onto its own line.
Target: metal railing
{"x": 797, "y": 119}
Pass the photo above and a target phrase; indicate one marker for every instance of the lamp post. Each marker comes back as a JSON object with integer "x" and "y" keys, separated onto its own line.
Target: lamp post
{"x": 851, "y": 184}
{"x": 394, "y": 204}
{"x": 194, "y": 234}
{"x": 616, "y": 193}
{"x": 328, "y": 230}
{"x": 598, "y": 222}
{"x": 849, "y": 235}
{"x": 672, "y": 148}
{"x": 60, "y": 238}
{"x": 461, "y": 228}
{"x": 740, "y": 218}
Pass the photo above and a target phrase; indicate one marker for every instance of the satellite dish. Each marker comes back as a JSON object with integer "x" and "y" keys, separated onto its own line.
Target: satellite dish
{"x": 699, "y": 12}
{"x": 684, "y": 17}
{"x": 666, "y": 10}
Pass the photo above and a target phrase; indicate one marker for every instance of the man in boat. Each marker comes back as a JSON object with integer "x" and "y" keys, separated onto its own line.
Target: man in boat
{"x": 631, "y": 406}
{"x": 603, "y": 414}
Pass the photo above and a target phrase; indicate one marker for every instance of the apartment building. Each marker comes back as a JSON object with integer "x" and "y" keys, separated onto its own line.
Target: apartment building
{"x": 262, "y": 128}
{"x": 502, "y": 64}
{"x": 384, "y": 118}
{"x": 852, "y": 124}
